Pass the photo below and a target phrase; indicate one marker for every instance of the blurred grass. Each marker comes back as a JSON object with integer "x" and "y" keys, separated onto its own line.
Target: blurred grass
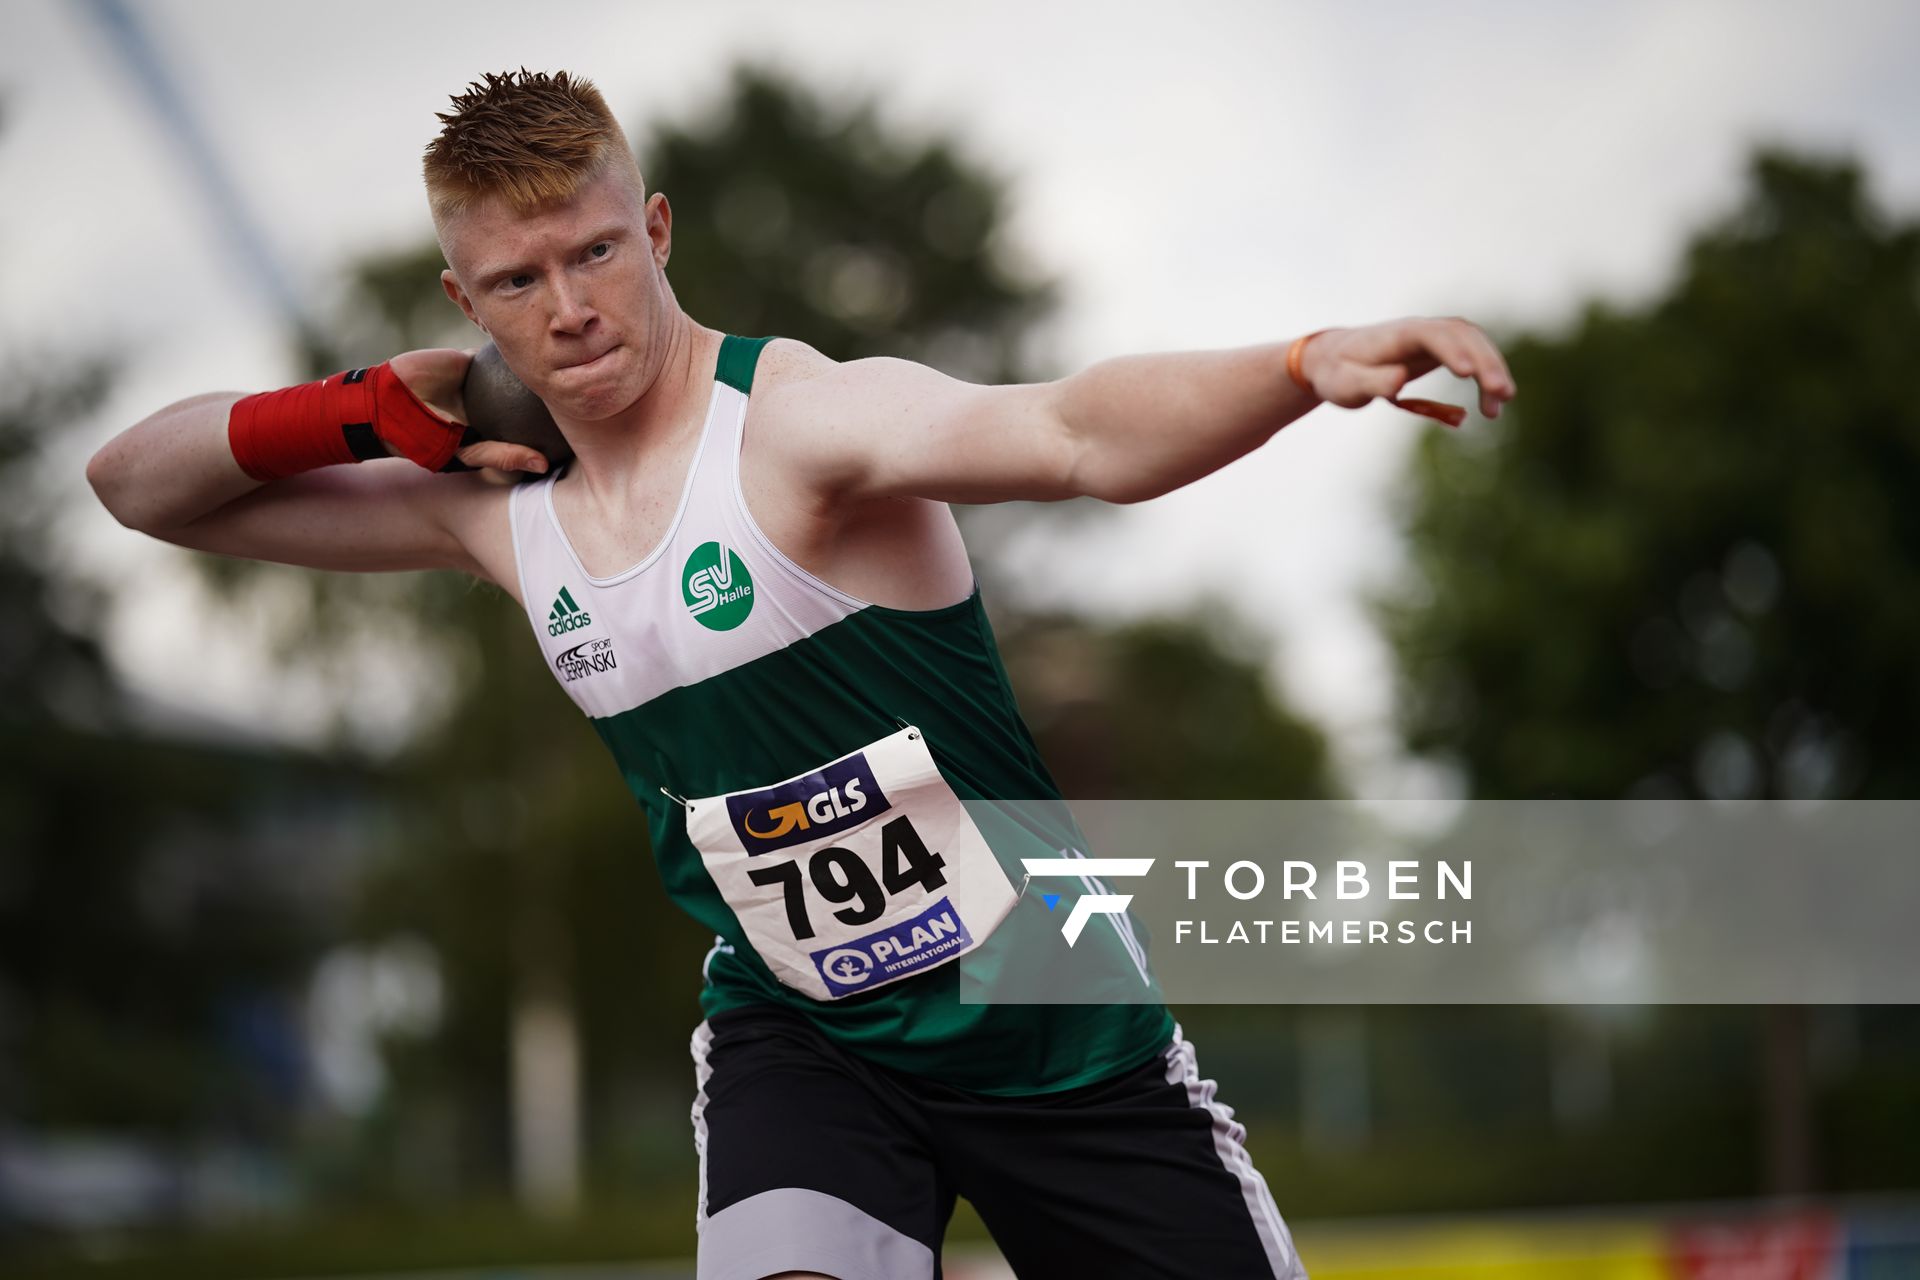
{"x": 477, "y": 1236}
{"x": 474, "y": 1235}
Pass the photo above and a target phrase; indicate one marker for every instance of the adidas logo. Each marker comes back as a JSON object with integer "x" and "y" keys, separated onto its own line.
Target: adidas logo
{"x": 566, "y": 616}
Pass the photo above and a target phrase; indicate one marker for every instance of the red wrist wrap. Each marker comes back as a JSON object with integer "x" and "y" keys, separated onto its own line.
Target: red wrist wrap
{"x": 341, "y": 418}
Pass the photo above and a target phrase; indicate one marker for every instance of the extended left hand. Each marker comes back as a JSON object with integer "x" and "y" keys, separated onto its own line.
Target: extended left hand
{"x": 1349, "y": 367}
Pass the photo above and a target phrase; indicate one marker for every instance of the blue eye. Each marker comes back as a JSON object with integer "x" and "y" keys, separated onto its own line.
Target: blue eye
{"x": 604, "y": 244}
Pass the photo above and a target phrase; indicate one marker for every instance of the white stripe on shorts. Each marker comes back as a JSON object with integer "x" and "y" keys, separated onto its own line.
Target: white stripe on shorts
{"x": 702, "y": 1041}
{"x": 1229, "y": 1135}
{"x": 795, "y": 1229}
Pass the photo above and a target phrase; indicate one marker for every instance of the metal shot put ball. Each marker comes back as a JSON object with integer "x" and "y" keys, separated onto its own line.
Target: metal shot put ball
{"x": 500, "y": 407}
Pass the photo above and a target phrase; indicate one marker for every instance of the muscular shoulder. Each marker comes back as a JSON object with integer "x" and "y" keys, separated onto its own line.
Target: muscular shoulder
{"x": 791, "y": 373}
{"x": 794, "y": 411}
{"x": 792, "y": 384}
{"x": 831, "y": 422}
{"x": 811, "y": 422}
{"x": 785, "y": 363}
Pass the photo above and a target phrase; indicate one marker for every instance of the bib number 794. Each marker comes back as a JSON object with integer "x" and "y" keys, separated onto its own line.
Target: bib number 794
{"x": 841, "y": 875}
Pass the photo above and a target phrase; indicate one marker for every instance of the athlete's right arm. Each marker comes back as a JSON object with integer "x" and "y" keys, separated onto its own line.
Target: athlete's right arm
{"x": 173, "y": 476}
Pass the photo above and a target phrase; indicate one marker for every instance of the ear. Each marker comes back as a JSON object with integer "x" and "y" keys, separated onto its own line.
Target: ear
{"x": 451, "y": 283}
{"x": 660, "y": 227}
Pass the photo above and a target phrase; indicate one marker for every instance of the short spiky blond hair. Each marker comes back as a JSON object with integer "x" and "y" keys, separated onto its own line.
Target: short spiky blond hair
{"x": 528, "y": 137}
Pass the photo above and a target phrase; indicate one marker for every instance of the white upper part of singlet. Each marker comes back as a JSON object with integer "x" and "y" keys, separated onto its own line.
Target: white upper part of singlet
{"x": 630, "y": 637}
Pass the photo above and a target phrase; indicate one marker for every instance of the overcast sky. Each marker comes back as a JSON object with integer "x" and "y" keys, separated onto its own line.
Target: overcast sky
{"x": 1207, "y": 174}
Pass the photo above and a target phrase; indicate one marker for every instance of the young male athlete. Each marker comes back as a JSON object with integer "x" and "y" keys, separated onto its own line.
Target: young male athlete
{"x": 748, "y": 577}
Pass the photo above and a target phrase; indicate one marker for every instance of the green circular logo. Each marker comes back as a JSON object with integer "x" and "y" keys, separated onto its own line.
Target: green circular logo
{"x": 717, "y": 587}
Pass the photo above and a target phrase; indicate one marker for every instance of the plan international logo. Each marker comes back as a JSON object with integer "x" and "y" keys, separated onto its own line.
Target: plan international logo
{"x": 894, "y": 951}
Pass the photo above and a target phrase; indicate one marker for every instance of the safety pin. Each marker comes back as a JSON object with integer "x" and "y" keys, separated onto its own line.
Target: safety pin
{"x": 679, "y": 800}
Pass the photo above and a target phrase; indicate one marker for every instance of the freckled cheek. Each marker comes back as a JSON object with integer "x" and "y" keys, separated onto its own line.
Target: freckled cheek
{"x": 508, "y": 322}
{"x": 629, "y": 292}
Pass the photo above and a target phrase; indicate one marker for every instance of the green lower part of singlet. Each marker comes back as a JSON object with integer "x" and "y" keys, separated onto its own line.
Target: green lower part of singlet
{"x": 833, "y": 693}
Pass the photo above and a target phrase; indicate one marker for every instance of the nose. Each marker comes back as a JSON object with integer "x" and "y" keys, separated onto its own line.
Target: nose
{"x": 573, "y": 312}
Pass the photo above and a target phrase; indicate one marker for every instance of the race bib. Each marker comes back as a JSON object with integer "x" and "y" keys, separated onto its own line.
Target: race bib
{"x": 864, "y": 871}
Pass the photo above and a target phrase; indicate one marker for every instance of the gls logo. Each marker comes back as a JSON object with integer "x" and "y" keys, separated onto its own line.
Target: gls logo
{"x": 821, "y": 807}
{"x": 809, "y": 807}
{"x": 1087, "y": 905}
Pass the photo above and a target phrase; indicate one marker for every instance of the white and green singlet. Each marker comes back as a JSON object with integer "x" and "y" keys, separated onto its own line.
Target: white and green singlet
{"x": 820, "y": 753}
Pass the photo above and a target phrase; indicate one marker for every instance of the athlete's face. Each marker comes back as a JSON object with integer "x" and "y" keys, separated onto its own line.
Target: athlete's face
{"x": 574, "y": 294}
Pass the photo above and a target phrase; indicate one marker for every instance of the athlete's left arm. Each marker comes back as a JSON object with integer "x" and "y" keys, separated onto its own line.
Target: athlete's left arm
{"x": 1124, "y": 430}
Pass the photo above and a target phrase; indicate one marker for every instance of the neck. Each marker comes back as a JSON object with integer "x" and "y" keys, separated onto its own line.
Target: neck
{"x": 611, "y": 456}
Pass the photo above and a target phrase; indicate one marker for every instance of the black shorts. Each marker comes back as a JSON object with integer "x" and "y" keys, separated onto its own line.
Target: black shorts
{"x": 813, "y": 1159}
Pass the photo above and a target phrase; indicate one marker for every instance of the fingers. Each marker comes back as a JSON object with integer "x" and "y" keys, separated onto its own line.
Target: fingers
{"x": 1384, "y": 380}
{"x": 433, "y": 376}
{"x": 1496, "y": 380}
{"x": 502, "y": 456}
{"x": 1468, "y": 353}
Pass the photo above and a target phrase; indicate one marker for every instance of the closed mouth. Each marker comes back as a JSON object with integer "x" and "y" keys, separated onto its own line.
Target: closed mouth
{"x": 584, "y": 363}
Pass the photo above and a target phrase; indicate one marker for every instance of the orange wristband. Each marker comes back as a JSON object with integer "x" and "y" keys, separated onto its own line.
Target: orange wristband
{"x": 1450, "y": 414}
{"x": 1294, "y": 353}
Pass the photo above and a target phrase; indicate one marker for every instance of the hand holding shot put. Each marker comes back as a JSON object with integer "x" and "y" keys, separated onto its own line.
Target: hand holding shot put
{"x": 736, "y": 556}
{"x": 500, "y": 407}
{"x": 475, "y": 388}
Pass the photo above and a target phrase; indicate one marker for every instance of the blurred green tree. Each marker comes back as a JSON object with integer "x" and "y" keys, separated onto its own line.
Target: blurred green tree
{"x": 1687, "y": 561}
{"x": 153, "y": 947}
{"x": 150, "y": 959}
{"x": 1168, "y": 708}
{"x": 825, "y": 224}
